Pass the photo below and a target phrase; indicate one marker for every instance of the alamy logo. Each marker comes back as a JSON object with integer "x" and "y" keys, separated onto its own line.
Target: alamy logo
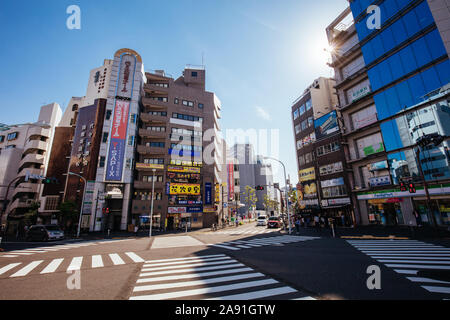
{"x": 74, "y": 20}
{"x": 374, "y": 281}
{"x": 374, "y": 20}
{"x": 74, "y": 280}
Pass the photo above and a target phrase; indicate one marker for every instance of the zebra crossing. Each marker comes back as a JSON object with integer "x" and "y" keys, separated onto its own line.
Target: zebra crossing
{"x": 261, "y": 242}
{"x": 14, "y": 270}
{"x": 423, "y": 263}
{"x": 32, "y": 251}
{"x": 244, "y": 231}
{"x": 211, "y": 277}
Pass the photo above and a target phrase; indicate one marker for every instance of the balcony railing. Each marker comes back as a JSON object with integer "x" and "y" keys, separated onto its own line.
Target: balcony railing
{"x": 142, "y": 149}
{"x": 148, "y": 185}
{"x": 152, "y": 133}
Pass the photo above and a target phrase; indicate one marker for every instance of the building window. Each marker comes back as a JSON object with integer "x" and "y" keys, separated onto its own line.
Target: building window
{"x": 105, "y": 137}
{"x": 133, "y": 118}
{"x": 12, "y": 136}
{"x": 2, "y": 138}
{"x": 188, "y": 103}
{"x": 336, "y": 191}
{"x": 296, "y": 114}
{"x": 301, "y": 160}
{"x": 154, "y": 161}
{"x": 158, "y": 129}
{"x": 302, "y": 110}
{"x": 128, "y": 163}
{"x": 131, "y": 140}
{"x": 194, "y": 74}
{"x": 156, "y": 144}
{"x": 108, "y": 114}
{"x": 331, "y": 168}
{"x": 102, "y": 162}
{"x": 305, "y": 125}
{"x": 298, "y": 129}
{"x": 150, "y": 178}
{"x": 186, "y": 117}
{"x": 308, "y": 105}
{"x": 12, "y": 146}
{"x": 328, "y": 148}
{"x": 75, "y": 107}
{"x": 200, "y": 106}
{"x": 176, "y": 101}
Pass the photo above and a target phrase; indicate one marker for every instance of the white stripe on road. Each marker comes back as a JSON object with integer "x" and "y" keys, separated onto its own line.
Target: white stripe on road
{"x": 188, "y": 258}
{"x": 190, "y": 265}
{"x": 97, "y": 261}
{"x": 424, "y": 255}
{"x": 147, "y": 265}
{"x": 27, "y": 269}
{"x": 418, "y": 266}
{"x": 196, "y": 282}
{"x": 224, "y": 247}
{"x": 417, "y": 279}
{"x": 52, "y": 266}
{"x": 414, "y": 261}
{"x": 75, "y": 264}
{"x": 133, "y": 256}
{"x": 369, "y": 252}
{"x": 179, "y": 294}
{"x": 257, "y": 294}
{"x": 305, "y": 298}
{"x": 194, "y": 275}
{"x": 9, "y": 267}
{"x": 116, "y": 259}
{"x": 8, "y": 256}
{"x": 149, "y": 274}
{"x": 412, "y": 258}
{"x": 406, "y": 271}
{"x": 437, "y": 289}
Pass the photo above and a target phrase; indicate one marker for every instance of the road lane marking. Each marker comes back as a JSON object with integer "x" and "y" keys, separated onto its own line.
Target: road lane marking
{"x": 97, "y": 261}
{"x": 75, "y": 264}
{"x": 149, "y": 274}
{"x": 418, "y": 279}
{"x": 196, "y": 282}
{"x": 190, "y": 265}
{"x": 437, "y": 289}
{"x": 224, "y": 247}
{"x": 52, "y": 266}
{"x": 187, "y": 258}
{"x": 148, "y": 265}
{"x": 27, "y": 269}
{"x": 133, "y": 256}
{"x": 194, "y": 292}
{"x": 116, "y": 259}
{"x": 257, "y": 294}
{"x": 194, "y": 275}
{"x": 9, "y": 267}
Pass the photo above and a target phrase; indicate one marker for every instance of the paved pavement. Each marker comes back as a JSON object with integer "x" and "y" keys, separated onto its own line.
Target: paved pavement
{"x": 248, "y": 263}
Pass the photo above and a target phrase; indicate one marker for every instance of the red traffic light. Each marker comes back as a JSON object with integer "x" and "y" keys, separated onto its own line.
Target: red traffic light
{"x": 403, "y": 187}
{"x": 412, "y": 188}
{"x": 259, "y": 188}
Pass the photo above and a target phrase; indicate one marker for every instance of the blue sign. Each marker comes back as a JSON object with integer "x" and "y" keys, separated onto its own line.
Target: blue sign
{"x": 182, "y": 153}
{"x": 194, "y": 209}
{"x": 115, "y": 160}
{"x": 208, "y": 193}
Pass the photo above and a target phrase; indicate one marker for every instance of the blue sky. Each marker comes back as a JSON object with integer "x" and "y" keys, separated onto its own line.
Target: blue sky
{"x": 260, "y": 54}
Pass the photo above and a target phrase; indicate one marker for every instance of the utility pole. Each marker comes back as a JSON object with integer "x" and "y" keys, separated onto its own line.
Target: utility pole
{"x": 82, "y": 203}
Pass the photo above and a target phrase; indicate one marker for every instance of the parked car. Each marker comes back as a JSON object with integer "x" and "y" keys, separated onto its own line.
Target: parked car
{"x": 274, "y": 222}
{"x": 44, "y": 233}
{"x": 262, "y": 221}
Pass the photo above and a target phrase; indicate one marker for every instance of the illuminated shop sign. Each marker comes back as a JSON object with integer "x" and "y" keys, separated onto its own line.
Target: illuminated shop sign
{"x": 187, "y": 189}
{"x": 183, "y": 169}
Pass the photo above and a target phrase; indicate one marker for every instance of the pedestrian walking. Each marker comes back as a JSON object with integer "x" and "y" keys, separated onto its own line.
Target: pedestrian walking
{"x": 136, "y": 229}
{"x": 297, "y": 225}
{"x": 317, "y": 222}
{"x": 418, "y": 218}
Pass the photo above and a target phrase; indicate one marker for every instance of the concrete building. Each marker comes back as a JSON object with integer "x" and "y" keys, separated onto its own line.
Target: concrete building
{"x": 250, "y": 170}
{"x": 323, "y": 184}
{"x": 179, "y": 137}
{"x": 380, "y": 73}
{"x": 24, "y": 156}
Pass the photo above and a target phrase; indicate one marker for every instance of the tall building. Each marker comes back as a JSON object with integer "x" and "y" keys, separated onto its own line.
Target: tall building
{"x": 178, "y": 138}
{"x": 24, "y": 156}
{"x": 381, "y": 74}
{"x": 323, "y": 184}
{"x": 250, "y": 170}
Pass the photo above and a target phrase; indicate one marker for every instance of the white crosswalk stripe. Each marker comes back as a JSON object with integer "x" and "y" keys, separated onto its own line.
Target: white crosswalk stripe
{"x": 31, "y": 251}
{"x": 252, "y": 230}
{"x": 259, "y": 242}
{"x": 187, "y": 278}
{"x": 423, "y": 263}
{"x": 71, "y": 264}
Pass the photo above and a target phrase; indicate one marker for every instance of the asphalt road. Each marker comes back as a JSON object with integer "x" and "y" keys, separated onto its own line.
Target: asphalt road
{"x": 248, "y": 261}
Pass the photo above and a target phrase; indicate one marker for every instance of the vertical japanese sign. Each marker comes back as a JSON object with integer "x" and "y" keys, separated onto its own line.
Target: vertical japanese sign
{"x": 231, "y": 181}
{"x": 119, "y": 125}
{"x": 118, "y": 141}
{"x": 208, "y": 193}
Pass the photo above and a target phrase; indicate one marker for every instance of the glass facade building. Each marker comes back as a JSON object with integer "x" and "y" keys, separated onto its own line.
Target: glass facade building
{"x": 409, "y": 69}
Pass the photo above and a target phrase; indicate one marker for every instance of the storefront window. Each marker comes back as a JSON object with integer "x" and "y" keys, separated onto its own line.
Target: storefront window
{"x": 385, "y": 212}
{"x": 439, "y": 208}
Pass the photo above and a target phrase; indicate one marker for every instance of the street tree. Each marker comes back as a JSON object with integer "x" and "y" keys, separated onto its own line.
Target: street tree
{"x": 250, "y": 198}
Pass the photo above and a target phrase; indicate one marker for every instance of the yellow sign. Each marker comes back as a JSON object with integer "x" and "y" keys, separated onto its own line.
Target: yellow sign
{"x": 149, "y": 166}
{"x": 217, "y": 193}
{"x": 186, "y": 163}
{"x": 184, "y": 189}
{"x": 307, "y": 174}
{"x": 209, "y": 210}
{"x": 183, "y": 169}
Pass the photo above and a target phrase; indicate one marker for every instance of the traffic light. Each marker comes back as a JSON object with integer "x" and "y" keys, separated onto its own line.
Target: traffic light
{"x": 412, "y": 188}
{"x": 105, "y": 210}
{"x": 259, "y": 188}
{"x": 50, "y": 181}
{"x": 403, "y": 187}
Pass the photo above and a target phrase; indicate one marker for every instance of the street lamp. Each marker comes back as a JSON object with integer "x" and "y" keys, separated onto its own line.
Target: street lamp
{"x": 287, "y": 192}
{"x": 82, "y": 203}
{"x": 153, "y": 196}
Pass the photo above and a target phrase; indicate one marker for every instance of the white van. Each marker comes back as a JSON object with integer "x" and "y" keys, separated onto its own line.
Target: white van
{"x": 262, "y": 220}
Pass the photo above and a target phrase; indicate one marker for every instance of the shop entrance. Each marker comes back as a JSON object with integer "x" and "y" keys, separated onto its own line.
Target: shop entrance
{"x": 385, "y": 212}
{"x": 170, "y": 223}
